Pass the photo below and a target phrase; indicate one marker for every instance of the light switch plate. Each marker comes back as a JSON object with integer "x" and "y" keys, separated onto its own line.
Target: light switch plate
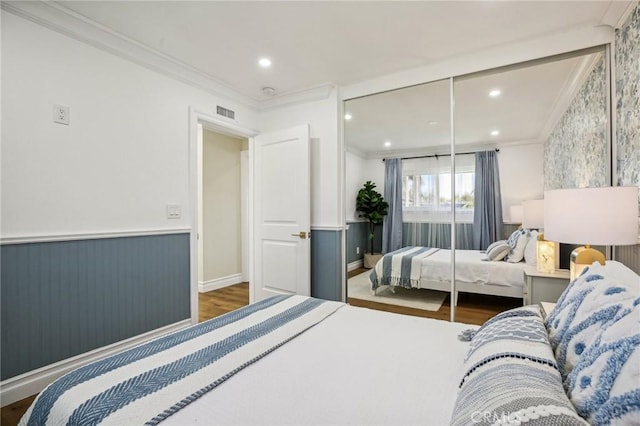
{"x": 174, "y": 211}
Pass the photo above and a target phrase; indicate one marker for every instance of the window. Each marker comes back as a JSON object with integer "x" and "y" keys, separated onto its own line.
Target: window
{"x": 426, "y": 189}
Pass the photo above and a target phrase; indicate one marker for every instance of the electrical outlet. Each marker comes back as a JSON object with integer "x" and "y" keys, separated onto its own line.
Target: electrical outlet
{"x": 174, "y": 211}
{"x": 357, "y": 250}
{"x": 61, "y": 114}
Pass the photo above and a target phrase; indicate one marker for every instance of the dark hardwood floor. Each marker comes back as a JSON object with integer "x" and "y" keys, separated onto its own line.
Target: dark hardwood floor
{"x": 471, "y": 309}
{"x": 217, "y": 302}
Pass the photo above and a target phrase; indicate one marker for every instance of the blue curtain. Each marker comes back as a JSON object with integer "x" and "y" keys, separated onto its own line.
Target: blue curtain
{"x": 487, "y": 210}
{"x": 392, "y": 224}
{"x": 437, "y": 235}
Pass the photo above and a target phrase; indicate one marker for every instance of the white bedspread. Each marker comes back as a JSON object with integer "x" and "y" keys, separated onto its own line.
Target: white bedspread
{"x": 471, "y": 268}
{"x": 357, "y": 367}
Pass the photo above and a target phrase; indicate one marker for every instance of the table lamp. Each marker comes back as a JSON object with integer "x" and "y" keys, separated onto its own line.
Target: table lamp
{"x": 601, "y": 216}
{"x": 547, "y": 252}
{"x": 515, "y": 212}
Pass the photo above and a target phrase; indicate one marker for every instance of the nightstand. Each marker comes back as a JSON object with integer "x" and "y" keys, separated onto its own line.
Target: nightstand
{"x": 542, "y": 287}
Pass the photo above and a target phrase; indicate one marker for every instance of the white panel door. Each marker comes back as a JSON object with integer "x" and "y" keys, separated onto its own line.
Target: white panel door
{"x": 281, "y": 214}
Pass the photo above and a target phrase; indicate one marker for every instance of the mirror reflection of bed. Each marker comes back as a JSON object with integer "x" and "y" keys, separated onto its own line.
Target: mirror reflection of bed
{"x": 520, "y": 115}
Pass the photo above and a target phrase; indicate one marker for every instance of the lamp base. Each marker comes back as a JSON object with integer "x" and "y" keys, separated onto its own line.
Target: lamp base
{"x": 583, "y": 257}
{"x": 547, "y": 254}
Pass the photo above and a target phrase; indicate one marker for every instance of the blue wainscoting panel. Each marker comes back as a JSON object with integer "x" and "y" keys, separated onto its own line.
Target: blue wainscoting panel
{"x": 64, "y": 298}
{"x": 357, "y": 235}
{"x": 326, "y": 264}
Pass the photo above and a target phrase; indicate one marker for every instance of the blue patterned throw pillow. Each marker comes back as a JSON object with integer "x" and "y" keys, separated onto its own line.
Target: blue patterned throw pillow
{"x": 595, "y": 332}
{"x": 511, "y": 377}
{"x": 604, "y": 385}
{"x": 518, "y": 243}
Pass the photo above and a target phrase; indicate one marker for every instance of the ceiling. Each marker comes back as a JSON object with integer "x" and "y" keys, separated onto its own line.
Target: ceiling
{"x": 532, "y": 99}
{"x": 315, "y": 43}
{"x": 312, "y": 43}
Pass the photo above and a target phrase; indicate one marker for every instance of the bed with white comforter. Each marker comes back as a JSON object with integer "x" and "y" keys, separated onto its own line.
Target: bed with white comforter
{"x": 297, "y": 361}
{"x": 430, "y": 268}
{"x": 293, "y": 360}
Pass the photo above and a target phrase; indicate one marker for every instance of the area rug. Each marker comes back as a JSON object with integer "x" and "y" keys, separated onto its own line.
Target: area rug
{"x": 358, "y": 287}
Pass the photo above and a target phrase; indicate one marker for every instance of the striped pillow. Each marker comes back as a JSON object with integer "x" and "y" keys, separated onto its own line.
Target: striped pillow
{"x": 511, "y": 377}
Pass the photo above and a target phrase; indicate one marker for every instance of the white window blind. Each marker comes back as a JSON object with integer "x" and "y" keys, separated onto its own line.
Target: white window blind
{"x": 426, "y": 189}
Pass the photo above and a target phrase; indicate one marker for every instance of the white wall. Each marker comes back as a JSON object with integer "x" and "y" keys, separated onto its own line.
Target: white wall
{"x": 357, "y": 171}
{"x": 354, "y": 165}
{"x": 521, "y": 175}
{"x": 222, "y": 243}
{"x": 123, "y": 157}
{"x": 326, "y": 181}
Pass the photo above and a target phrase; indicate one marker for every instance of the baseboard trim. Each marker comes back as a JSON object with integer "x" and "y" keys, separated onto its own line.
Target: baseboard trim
{"x": 218, "y": 283}
{"x": 30, "y": 383}
{"x": 355, "y": 265}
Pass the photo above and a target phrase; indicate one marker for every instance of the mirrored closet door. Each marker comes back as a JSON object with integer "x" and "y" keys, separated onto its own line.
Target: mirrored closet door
{"x": 532, "y": 127}
{"x": 518, "y": 130}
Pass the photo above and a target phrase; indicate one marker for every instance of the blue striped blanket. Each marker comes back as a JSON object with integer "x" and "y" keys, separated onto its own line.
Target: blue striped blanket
{"x": 148, "y": 383}
{"x": 400, "y": 268}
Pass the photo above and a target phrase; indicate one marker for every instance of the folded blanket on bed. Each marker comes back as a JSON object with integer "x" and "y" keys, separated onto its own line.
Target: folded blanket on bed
{"x": 400, "y": 268}
{"x": 148, "y": 383}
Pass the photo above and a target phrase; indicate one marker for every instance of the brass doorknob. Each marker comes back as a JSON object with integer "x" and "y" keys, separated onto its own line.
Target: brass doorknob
{"x": 301, "y": 234}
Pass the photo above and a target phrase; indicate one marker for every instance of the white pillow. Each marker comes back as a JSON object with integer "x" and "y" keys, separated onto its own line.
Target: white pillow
{"x": 531, "y": 250}
{"x": 497, "y": 243}
{"x": 517, "y": 252}
{"x": 498, "y": 250}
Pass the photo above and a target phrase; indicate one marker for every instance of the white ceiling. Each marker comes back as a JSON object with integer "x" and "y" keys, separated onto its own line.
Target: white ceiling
{"x": 313, "y": 43}
{"x": 317, "y": 42}
{"x": 532, "y": 100}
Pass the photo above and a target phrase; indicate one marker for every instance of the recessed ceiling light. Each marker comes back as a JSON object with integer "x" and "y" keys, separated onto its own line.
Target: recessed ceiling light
{"x": 347, "y": 116}
{"x": 265, "y": 62}
{"x": 433, "y": 123}
{"x": 495, "y": 93}
{"x": 495, "y": 132}
{"x": 269, "y": 91}
{"x": 387, "y": 143}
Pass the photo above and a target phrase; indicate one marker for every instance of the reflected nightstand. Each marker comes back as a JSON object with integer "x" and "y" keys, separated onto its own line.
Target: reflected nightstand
{"x": 543, "y": 287}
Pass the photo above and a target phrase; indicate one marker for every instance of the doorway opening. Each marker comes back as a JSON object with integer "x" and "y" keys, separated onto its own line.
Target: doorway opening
{"x": 223, "y": 222}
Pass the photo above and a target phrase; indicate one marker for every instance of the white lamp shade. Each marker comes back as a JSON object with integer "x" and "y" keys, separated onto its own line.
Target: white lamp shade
{"x": 533, "y": 214}
{"x": 594, "y": 216}
{"x": 515, "y": 212}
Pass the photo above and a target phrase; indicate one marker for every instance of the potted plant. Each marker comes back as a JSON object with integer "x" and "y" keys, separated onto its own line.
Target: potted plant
{"x": 372, "y": 207}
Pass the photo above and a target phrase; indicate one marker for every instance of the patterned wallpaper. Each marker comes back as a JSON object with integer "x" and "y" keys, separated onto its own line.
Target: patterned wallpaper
{"x": 575, "y": 152}
{"x": 572, "y": 158}
{"x": 628, "y": 100}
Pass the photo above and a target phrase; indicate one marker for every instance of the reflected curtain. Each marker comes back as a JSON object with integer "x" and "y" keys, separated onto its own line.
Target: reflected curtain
{"x": 487, "y": 210}
{"x": 392, "y": 224}
{"x": 437, "y": 235}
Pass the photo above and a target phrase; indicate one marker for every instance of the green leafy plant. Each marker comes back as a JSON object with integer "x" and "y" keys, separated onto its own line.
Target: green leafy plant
{"x": 372, "y": 207}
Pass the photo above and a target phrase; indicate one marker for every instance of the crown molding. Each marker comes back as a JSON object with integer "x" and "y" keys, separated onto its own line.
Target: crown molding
{"x": 60, "y": 19}
{"x": 355, "y": 151}
{"x": 618, "y": 12}
{"x": 572, "y": 85}
{"x": 446, "y": 150}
